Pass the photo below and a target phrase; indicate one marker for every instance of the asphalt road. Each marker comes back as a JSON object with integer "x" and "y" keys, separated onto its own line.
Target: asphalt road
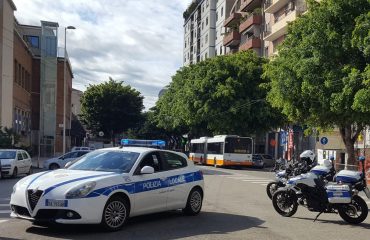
{"x": 235, "y": 207}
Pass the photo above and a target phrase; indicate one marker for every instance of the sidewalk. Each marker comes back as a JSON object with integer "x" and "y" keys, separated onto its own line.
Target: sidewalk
{"x": 38, "y": 162}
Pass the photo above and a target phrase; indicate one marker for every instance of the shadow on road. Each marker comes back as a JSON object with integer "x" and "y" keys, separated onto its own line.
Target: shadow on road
{"x": 337, "y": 222}
{"x": 168, "y": 225}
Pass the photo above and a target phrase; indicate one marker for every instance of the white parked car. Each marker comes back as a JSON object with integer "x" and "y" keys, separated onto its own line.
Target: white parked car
{"x": 60, "y": 162}
{"x": 14, "y": 162}
{"x": 108, "y": 186}
{"x": 82, "y": 149}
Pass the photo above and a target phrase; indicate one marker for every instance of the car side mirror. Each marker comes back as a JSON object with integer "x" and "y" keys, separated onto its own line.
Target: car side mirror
{"x": 147, "y": 170}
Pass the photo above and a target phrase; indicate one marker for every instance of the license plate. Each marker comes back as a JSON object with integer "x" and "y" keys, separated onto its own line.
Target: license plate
{"x": 367, "y": 192}
{"x": 56, "y": 203}
{"x": 337, "y": 194}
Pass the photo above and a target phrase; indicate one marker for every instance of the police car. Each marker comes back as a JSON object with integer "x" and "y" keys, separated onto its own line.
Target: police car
{"x": 108, "y": 186}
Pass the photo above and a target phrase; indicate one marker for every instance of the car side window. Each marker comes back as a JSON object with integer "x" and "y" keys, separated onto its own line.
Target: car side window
{"x": 174, "y": 161}
{"x": 81, "y": 154}
{"x": 151, "y": 160}
{"x": 24, "y": 154}
{"x": 19, "y": 156}
{"x": 65, "y": 156}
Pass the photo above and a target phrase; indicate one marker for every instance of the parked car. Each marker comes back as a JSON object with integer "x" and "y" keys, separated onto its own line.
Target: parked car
{"x": 82, "y": 149}
{"x": 14, "y": 162}
{"x": 60, "y": 162}
{"x": 108, "y": 186}
{"x": 268, "y": 160}
{"x": 257, "y": 161}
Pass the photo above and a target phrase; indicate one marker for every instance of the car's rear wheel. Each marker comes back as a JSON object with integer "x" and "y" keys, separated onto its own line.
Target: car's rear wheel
{"x": 29, "y": 171}
{"x": 54, "y": 166}
{"x": 115, "y": 214}
{"x": 15, "y": 172}
{"x": 194, "y": 203}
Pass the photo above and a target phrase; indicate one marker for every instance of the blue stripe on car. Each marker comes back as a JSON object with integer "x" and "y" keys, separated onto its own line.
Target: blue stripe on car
{"x": 74, "y": 180}
{"x": 149, "y": 185}
{"x": 37, "y": 178}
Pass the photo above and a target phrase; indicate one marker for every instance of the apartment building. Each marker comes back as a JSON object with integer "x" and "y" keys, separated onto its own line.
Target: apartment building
{"x": 244, "y": 27}
{"x": 203, "y": 29}
{"x": 31, "y": 84}
{"x": 278, "y": 13}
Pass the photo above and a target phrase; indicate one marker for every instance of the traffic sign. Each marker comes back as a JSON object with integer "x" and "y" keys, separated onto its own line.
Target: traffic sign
{"x": 324, "y": 140}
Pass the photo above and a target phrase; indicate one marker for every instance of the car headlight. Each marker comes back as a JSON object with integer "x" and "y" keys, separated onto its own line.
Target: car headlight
{"x": 81, "y": 190}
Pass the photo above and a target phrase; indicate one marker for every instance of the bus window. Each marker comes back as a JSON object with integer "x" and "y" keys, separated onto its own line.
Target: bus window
{"x": 238, "y": 145}
{"x": 215, "y": 148}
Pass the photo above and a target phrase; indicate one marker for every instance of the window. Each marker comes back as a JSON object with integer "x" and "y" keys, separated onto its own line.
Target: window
{"x": 202, "y": 25}
{"x": 19, "y": 79}
{"x": 216, "y": 34}
{"x": 222, "y": 11}
{"x": 19, "y": 156}
{"x": 216, "y": 16}
{"x": 220, "y": 50}
{"x": 173, "y": 161}
{"x": 206, "y": 21}
{"x": 81, "y": 153}
{"x": 238, "y": 145}
{"x": 15, "y": 70}
{"x": 215, "y": 148}
{"x": 24, "y": 154}
{"x": 206, "y": 39}
{"x": 151, "y": 160}
{"x": 33, "y": 41}
{"x": 197, "y": 147}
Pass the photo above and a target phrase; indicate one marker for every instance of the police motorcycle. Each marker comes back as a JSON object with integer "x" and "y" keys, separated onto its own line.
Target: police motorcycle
{"x": 307, "y": 161}
{"x": 312, "y": 191}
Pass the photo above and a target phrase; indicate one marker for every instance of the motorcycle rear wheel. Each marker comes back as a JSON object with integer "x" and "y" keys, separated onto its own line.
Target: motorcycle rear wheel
{"x": 350, "y": 212}
{"x": 285, "y": 203}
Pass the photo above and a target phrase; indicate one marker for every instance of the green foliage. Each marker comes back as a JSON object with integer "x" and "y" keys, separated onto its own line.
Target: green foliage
{"x": 192, "y": 6}
{"x": 111, "y": 107}
{"x": 320, "y": 68}
{"x": 8, "y": 137}
{"x": 218, "y": 96}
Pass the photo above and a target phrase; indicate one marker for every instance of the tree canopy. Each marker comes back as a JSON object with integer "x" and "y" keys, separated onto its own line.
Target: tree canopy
{"x": 218, "y": 96}
{"x": 111, "y": 107}
{"x": 320, "y": 67}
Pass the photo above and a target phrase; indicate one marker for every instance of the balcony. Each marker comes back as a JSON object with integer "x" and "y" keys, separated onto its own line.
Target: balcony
{"x": 281, "y": 27}
{"x": 249, "y": 5}
{"x": 251, "y": 43}
{"x": 272, "y": 6}
{"x": 233, "y": 19}
{"x": 232, "y": 39}
{"x": 251, "y": 20}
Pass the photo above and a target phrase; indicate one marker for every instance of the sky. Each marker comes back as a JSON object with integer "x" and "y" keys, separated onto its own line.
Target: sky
{"x": 139, "y": 42}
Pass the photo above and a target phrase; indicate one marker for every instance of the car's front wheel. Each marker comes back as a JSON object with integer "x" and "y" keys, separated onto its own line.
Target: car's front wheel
{"x": 54, "y": 166}
{"x": 194, "y": 203}
{"x": 15, "y": 172}
{"x": 115, "y": 214}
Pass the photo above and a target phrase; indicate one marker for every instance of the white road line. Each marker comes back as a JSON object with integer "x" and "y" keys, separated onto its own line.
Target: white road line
{"x": 256, "y": 179}
{"x": 4, "y": 205}
{"x": 261, "y": 182}
{"x": 4, "y": 211}
{"x": 2, "y": 221}
{"x": 264, "y": 184}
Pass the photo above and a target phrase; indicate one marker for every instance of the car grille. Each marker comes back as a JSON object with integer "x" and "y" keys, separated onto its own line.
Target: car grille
{"x": 33, "y": 197}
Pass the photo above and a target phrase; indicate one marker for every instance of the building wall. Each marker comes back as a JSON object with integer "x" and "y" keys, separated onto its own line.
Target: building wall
{"x": 76, "y": 101}
{"x": 22, "y": 89}
{"x": 7, "y": 9}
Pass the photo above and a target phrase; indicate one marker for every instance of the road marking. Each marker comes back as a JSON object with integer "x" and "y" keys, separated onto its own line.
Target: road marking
{"x": 264, "y": 184}
{"x": 261, "y": 182}
{"x": 4, "y": 205}
{"x": 4, "y": 211}
{"x": 256, "y": 180}
{"x": 2, "y": 221}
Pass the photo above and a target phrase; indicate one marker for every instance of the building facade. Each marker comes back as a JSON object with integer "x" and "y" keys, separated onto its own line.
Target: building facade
{"x": 32, "y": 80}
{"x": 203, "y": 29}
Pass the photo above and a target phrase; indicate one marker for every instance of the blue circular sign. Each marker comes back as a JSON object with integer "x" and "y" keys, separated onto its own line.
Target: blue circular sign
{"x": 324, "y": 140}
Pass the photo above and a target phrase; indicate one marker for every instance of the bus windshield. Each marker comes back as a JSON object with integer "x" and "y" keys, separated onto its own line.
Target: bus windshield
{"x": 238, "y": 145}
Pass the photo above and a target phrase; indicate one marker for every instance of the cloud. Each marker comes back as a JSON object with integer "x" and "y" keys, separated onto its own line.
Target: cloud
{"x": 139, "y": 42}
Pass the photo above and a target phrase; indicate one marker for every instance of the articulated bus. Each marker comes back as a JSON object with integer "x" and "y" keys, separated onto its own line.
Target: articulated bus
{"x": 222, "y": 150}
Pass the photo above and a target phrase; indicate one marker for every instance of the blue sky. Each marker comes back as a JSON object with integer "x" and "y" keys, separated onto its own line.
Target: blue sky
{"x": 139, "y": 42}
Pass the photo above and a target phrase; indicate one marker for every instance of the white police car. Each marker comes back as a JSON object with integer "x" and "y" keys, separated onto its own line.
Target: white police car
{"x": 107, "y": 186}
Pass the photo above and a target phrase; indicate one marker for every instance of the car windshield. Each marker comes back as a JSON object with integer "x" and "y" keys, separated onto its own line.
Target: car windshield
{"x": 106, "y": 161}
{"x": 7, "y": 154}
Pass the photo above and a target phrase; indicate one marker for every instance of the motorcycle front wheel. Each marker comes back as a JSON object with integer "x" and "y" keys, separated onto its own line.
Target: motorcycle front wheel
{"x": 285, "y": 203}
{"x": 271, "y": 189}
{"x": 354, "y": 212}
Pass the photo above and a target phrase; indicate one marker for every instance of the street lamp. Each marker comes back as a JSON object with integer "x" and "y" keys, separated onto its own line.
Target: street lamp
{"x": 64, "y": 86}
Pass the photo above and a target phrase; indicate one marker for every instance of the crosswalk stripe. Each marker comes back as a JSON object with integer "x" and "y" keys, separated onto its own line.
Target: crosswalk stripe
{"x": 2, "y": 221}
{"x": 264, "y": 184}
{"x": 4, "y": 205}
{"x": 4, "y": 211}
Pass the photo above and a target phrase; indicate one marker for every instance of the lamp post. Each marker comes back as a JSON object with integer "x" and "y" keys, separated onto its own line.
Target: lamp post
{"x": 64, "y": 86}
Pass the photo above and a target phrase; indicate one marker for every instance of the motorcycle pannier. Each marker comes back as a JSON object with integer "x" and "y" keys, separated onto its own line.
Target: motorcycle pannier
{"x": 338, "y": 193}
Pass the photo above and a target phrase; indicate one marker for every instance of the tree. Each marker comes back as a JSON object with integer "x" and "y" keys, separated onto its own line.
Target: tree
{"x": 111, "y": 107}
{"x": 8, "y": 137}
{"x": 315, "y": 77}
{"x": 218, "y": 96}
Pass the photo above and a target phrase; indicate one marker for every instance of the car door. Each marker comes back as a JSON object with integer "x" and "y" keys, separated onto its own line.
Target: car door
{"x": 26, "y": 161}
{"x": 19, "y": 163}
{"x": 150, "y": 189}
{"x": 178, "y": 175}
{"x": 69, "y": 157}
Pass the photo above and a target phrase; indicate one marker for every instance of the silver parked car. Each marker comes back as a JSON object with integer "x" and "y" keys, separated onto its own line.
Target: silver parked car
{"x": 60, "y": 162}
{"x": 14, "y": 162}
